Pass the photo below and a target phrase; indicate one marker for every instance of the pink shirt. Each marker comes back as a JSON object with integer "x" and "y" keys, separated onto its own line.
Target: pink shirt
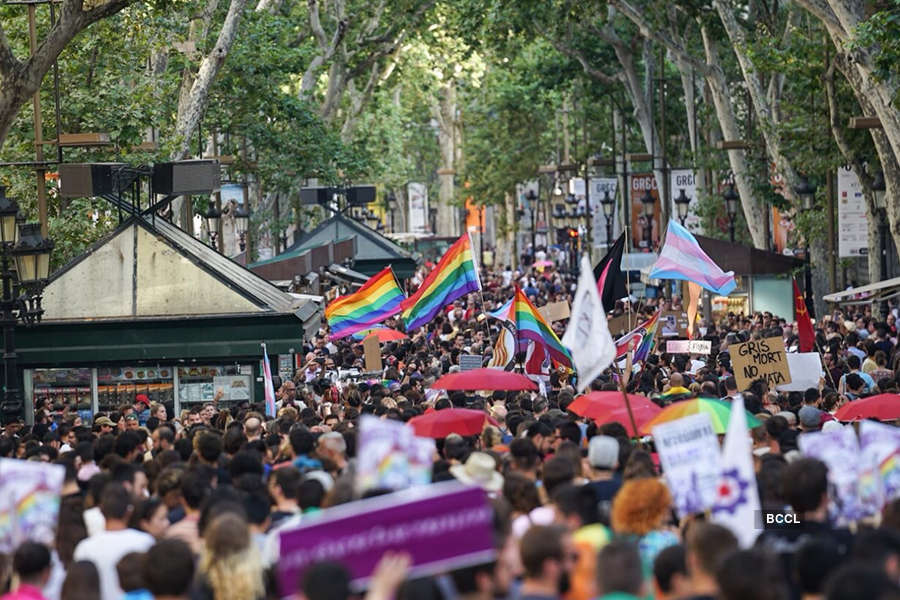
{"x": 24, "y": 592}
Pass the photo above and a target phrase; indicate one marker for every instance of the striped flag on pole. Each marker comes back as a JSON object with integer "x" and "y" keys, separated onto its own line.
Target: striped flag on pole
{"x": 268, "y": 386}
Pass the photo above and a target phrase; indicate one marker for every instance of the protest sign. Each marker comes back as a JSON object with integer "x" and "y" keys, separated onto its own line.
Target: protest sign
{"x": 443, "y": 526}
{"x": 467, "y": 362}
{"x": 805, "y": 369}
{"x": 760, "y": 359}
{"x": 555, "y": 311}
{"x": 29, "y": 502}
{"x": 372, "y": 350}
{"x": 689, "y": 455}
{"x": 674, "y": 323}
{"x": 390, "y": 456}
{"x": 839, "y": 450}
{"x": 879, "y": 475}
{"x": 689, "y": 346}
{"x": 618, "y": 325}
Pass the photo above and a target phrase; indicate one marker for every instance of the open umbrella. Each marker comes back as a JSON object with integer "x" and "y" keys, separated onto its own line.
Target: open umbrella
{"x": 643, "y": 414}
{"x": 884, "y": 407}
{"x": 384, "y": 334}
{"x": 441, "y": 423}
{"x": 597, "y": 404}
{"x": 484, "y": 379}
{"x": 718, "y": 411}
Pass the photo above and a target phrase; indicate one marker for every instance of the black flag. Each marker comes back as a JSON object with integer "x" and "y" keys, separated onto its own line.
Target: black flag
{"x": 609, "y": 276}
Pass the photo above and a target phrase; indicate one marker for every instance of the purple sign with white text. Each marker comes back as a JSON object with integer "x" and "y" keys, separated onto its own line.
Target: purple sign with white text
{"x": 441, "y": 526}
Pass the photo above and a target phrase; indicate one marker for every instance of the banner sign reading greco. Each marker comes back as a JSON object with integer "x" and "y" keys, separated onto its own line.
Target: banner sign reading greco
{"x": 689, "y": 455}
{"x": 442, "y": 526}
{"x": 760, "y": 359}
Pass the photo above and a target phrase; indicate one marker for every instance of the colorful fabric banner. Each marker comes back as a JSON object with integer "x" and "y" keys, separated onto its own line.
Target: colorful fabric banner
{"x": 682, "y": 257}
{"x": 268, "y": 386}
{"x": 378, "y": 299}
{"x": 609, "y": 276}
{"x": 640, "y": 338}
{"x": 455, "y": 276}
{"x": 530, "y": 325}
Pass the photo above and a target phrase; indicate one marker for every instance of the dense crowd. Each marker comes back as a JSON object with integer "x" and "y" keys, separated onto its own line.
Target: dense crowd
{"x": 165, "y": 506}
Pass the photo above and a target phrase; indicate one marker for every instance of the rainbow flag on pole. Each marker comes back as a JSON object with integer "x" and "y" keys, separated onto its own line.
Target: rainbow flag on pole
{"x": 268, "y": 387}
{"x": 455, "y": 276}
{"x": 378, "y": 299}
{"x": 530, "y": 325}
{"x": 640, "y": 338}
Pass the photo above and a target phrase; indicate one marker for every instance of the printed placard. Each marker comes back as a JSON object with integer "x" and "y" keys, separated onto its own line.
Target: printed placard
{"x": 689, "y": 347}
{"x": 760, "y": 359}
{"x": 689, "y": 455}
{"x": 467, "y": 362}
{"x": 29, "y": 502}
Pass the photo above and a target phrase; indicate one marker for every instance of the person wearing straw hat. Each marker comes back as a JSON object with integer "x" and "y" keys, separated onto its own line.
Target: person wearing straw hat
{"x": 479, "y": 469}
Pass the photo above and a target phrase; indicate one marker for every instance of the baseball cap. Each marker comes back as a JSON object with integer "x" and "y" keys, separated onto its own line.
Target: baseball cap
{"x": 603, "y": 452}
{"x": 142, "y": 398}
{"x": 105, "y": 421}
{"x": 810, "y": 417}
{"x": 131, "y": 417}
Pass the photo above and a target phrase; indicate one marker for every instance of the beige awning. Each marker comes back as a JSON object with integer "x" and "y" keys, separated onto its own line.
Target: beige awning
{"x": 874, "y": 292}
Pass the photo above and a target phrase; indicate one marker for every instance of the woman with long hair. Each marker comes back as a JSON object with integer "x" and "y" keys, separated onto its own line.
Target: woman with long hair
{"x": 230, "y": 568}
{"x": 82, "y": 582}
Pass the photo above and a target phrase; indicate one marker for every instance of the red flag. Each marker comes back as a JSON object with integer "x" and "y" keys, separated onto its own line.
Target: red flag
{"x": 804, "y": 324}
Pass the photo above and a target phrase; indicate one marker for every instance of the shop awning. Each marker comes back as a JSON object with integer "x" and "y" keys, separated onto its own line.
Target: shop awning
{"x": 874, "y": 292}
{"x": 746, "y": 260}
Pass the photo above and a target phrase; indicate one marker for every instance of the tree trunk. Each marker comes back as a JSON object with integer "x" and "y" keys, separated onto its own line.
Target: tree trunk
{"x": 506, "y": 233}
{"x": 445, "y": 114}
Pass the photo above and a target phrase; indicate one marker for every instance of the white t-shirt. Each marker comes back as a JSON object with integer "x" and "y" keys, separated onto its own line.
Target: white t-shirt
{"x": 106, "y": 549}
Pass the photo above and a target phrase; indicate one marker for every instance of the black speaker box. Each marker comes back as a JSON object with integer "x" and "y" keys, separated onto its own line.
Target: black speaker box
{"x": 186, "y": 177}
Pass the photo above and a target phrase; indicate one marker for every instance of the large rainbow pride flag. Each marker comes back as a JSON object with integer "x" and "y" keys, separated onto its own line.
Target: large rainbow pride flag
{"x": 378, "y": 299}
{"x": 530, "y": 325}
{"x": 454, "y": 276}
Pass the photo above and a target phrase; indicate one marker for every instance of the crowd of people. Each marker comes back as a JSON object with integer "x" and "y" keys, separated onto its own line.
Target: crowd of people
{"x": 163, "y": 506}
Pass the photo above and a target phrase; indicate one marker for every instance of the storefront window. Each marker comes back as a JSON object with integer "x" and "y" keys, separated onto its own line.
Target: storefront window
{"x": 200, "y": 384}
{"x": 62, "y": 386}
{"x": 118, "y": 386}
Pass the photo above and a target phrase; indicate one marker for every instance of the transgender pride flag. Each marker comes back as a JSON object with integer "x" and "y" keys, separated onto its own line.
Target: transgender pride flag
{"x": 682, "y": 257}
{"x": 268, "y": 386}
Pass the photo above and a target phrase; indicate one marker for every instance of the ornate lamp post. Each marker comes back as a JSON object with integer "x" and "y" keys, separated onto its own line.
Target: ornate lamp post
{"x": 241, "y": 225}
{"x": 682, "y": 203}
{"x": 212, "y": 216}
{"x": 807, "y": 194}
{"x": 609, "y": 206}
{"x": 23, "y": 245}
{"x": 532, "y": 199}
{"x": 732, "y": 199}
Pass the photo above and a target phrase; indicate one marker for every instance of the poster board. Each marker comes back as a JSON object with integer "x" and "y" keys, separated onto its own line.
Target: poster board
{"x": 689, "y": 347}
{"x": 467, "y": 362}
{"x": 29, "y": 502}
{"x": 689, "y": 455}
{"x": 640, "y": 183}
{"x": 760, "y": 359}
{"x": 674, "y": 323}
{"x": 372, "y": 350}
{"x": 555, "y": 311}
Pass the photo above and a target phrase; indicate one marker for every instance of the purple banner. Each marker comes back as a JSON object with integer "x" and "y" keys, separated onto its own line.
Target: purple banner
{"x": 442, "y": 526}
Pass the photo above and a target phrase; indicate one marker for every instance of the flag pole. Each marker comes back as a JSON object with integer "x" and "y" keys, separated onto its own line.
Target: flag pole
{"x": 824, "y": 366}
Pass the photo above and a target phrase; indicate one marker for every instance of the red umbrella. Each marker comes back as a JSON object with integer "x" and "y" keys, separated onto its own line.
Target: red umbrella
{"x": 484, "y": 379}
{"x": 441, "y": 423}
{"x": 597, "y": 404}
{"x": 384, "y": 334}
{"x": 643, "y": 414}
{"x": 884, "y": 407}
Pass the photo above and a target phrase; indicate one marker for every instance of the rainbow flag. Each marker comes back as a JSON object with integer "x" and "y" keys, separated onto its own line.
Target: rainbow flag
{"x": 378, "y": 299}
{"x": 530, "y": 325}
{"x": 682, "y": 257}
{"x": 641, "y": 338}
{"x": 454, "y": 276}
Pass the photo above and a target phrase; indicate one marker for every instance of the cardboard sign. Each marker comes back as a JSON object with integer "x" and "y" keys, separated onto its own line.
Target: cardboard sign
{"x": 688, "y": 346}
{"x": 555, "y": 311}
{"x": 372, "y": 349}
{"x": 618, "y": 325}
{"x": 689, "y": 456}
{"x": 442, "y": 526}
{"x": 674, "y": 323}
{"x": 467, "y": 362}
{"x": 760, "y": 359}
{"x": 29, "y": 502}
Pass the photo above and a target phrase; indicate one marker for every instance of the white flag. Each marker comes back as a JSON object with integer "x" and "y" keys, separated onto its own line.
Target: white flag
{"x": 737, "y": 504}
{"x": 587, "y": 335}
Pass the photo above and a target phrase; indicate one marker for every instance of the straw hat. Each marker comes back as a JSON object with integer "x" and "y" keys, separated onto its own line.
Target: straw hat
{"x": 480, "y": 470}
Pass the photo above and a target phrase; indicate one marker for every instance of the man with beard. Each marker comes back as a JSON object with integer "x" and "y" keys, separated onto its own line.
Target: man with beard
{"x": 548, "y": 556}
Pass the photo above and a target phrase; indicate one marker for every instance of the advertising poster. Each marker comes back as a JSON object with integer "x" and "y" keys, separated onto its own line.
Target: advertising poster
{"x": 641, "y": 183}
{"x": 418, "y": 207}
{"x": 852, "y": 225}
{"x": 684, "y": 179}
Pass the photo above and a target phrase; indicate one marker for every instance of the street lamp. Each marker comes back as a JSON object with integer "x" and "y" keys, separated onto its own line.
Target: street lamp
{"x": 608, "y": 205}
{"x": 212, "y": 215}
{"x": 648, "y": 202}
{"x": 392, "y": 206}
{"x": 732, "y": 199}
{"x": 682, "y": 203}
{"x": 21, "y": 246}
{"x": 806, "y": 192}
{"x": 532, "y": 199}
{"x": 241, "y": 224}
